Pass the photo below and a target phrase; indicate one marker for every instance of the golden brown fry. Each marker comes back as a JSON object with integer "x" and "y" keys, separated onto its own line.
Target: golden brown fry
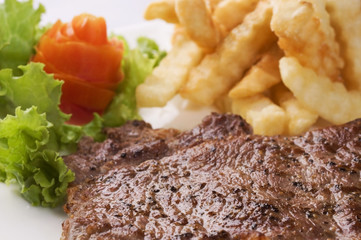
{"x": 230, "y": 13}
{"x": 300, "y": 118}
{"x": 304, "y": 32}
{"x": 265, "y": 117}
{"x": 261, "y": 76}
{"x": 346, "y": 20}
{"x": 212, "y": 4}
{"x": 166, "y": 79}
{"x": 219, "y": 71}
{"x": 197, "y": 20}
{"x": 236, "y": 33}
{"x": 328, "y": 99}
{"x": 179, "y": 35}
{"x": 163, "y": 9}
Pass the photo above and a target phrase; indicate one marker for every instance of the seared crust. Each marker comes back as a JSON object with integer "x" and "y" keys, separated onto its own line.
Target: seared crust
{"x": 234, "y": 186}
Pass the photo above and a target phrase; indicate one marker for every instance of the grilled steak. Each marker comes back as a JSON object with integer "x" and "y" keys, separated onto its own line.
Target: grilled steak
{"x": 136, "y": 142}
{"x": 217, "y": 181}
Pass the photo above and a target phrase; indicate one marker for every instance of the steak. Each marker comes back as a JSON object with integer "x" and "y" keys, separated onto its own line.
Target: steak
{"x": 216, "y": 181}
{"x": 136, "y": 142}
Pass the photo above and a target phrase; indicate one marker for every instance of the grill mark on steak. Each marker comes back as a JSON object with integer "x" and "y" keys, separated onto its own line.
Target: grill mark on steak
{"x": 232, "y": 185}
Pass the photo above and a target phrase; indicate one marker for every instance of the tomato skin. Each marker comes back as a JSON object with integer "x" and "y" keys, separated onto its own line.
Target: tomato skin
{"x": 80, "y": 54}
{"x": 90, "y": 29}
{"x": 93, "y": 63}
{"x": 50, "y": 68}
{"x": 80, "y": 115}
{"x": 85, "y": 95}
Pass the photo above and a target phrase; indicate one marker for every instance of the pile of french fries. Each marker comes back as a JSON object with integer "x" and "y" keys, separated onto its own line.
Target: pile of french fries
{"x": 281, "y": 64}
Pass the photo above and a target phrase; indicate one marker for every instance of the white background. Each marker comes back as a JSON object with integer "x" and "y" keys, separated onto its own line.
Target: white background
{"x": 117, "y": 13}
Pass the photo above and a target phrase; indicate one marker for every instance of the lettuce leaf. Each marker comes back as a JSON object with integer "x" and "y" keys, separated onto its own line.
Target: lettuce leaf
{"x": 151, "y": 50}
{"x": 19, "y": 32}
{"x": 25, "y": 157}
{"x": 33, "y": 88}
{"x": 137, "y": 64}
{"x": 37, "y": 88}
{"x": 33, "y": 133}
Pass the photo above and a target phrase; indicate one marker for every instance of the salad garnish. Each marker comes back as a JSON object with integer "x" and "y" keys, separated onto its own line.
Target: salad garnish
{"x": 35, "y": 132}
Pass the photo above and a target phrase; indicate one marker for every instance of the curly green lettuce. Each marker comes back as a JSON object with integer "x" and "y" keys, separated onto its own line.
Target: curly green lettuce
{"x": 19, "y": 32}
{"x": 33, "y": 135}
{"x": 27, "y": 158}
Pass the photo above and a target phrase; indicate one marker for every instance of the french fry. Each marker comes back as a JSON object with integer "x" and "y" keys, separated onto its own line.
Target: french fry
{"x": 230, "y": 13}
{"x": 312, "y": 73}
{"x": 328, "y": 99}
{"x": 305, "y": 32}
{"x": 261, "y": 76}
{"x": 346, "y": 20}
{"x": 212, "y": 4}
{"x": 197, "y": 21}
{"x": 219, "y": 71}
{"x": 163, "y": 9}
{"x": 166, "y": 79}
{"x": 265, "y": 117}
{"x": 300, "y": 118}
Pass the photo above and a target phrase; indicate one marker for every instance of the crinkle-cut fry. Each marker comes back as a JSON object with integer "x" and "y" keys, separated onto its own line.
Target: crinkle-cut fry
{"x": 328, "y": 99}
{"x": 212, "y": 4}
{"x": 305, "y": 32}
{"x": 346, "y": 20}
{"x": 219, "y": 71}
{"x": 195, "y": 17}
{"x": 179, "y": 35}
{"x": 163, "y": 9}
{"x": 166, "y": 79}
{"x": 230, "y": 13}
{"x": 261, "y": 76}
{"x": 265, "y": 117}
{"x": 300, "y": 118}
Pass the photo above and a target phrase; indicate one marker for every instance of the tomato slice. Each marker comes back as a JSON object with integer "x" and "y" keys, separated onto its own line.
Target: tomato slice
{"x": 79, "y": 115}
{"x": 51, "y": 69}
{"x": 80, "y": 54}
{"x": 91, "y": 63}
{"x": 78, "y": 91}
{"x": 90, "y": 29}
{"x": 83, "y": 94}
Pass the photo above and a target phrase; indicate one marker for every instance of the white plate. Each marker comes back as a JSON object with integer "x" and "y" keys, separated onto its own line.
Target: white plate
{"x": 20, "y": 220}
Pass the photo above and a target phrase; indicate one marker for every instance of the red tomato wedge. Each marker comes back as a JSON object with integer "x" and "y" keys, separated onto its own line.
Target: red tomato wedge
{"x": 80, "y": 116}
{"x": 93, "y": 63}
{"x": 83, "y": 94}
{"x": 90, "y": 29}
{"x": 50, "y": 68}
{"x": 80, "y": 54}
